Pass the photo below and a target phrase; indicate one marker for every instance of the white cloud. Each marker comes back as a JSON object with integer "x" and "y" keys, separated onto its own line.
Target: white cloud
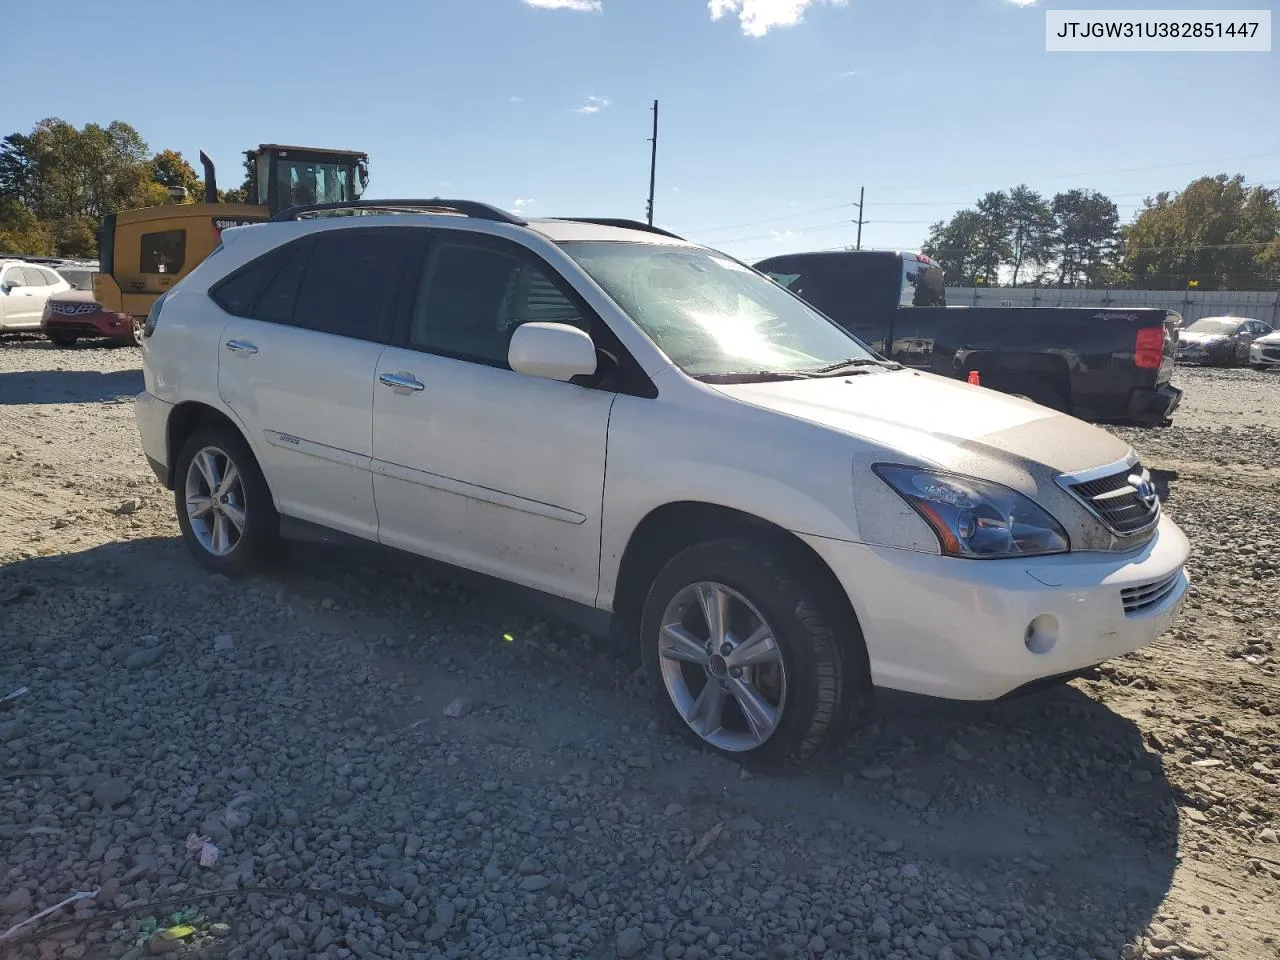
{"x": 758, "y": 17}
{"x": 594, "y": 105}
{"x": 1023, "y": 3}
{"x": 582, "y": 6}
{"x": 523, "y": 203}
{"x": 515, "y": 99}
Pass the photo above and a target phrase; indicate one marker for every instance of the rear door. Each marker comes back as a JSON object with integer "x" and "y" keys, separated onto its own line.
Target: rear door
{"x": 297, "y": 367}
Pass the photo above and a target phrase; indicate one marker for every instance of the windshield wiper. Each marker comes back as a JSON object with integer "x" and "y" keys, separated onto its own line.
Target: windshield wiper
{"x": 853, "y": 364}
{"x": 754, "y": 376}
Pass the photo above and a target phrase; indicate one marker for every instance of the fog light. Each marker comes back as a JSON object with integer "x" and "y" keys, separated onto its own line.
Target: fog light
{"x": 1042, "y": 634}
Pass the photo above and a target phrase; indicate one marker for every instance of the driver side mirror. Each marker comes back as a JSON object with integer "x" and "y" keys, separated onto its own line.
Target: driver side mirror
{"x": 552, "y": 351}
{"x": 12, "y": 284}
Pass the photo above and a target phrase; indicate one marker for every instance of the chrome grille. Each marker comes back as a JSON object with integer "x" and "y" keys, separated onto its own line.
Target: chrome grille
{"x": 1118, "y": 500}
{"x": 73, "y": 309}
{"x": 1147, "y": 595}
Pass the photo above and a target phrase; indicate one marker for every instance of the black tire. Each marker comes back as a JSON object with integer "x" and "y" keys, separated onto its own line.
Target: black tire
{"x": 260, "y": 540}
{"x": 828, "y": 676}
{"x": 62, "y": 339}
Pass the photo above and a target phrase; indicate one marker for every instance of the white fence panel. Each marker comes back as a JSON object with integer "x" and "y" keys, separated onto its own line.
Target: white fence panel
{"x": 1192, "y": 304}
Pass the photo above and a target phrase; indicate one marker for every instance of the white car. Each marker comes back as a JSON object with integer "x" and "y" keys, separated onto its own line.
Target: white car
{"x": 648, "y": 428}
{"x": 24, "y": 289}
{"x": 1265, "y": 351}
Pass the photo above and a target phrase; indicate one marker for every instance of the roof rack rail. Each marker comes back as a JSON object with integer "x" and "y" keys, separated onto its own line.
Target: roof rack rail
{"x": 623, "y": 223}
{"x": 468, "y": 208}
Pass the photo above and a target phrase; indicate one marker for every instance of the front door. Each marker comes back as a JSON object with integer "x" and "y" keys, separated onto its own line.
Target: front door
{"x": 474, "y": 464}
{"x": 298, "y": 370}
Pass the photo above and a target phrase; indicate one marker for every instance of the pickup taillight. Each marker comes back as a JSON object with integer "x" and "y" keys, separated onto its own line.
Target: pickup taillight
{"x": 1148, "y": 350}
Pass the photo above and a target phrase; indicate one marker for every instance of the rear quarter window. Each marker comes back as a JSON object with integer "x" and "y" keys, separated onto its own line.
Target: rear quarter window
{"x": 239, "y": 291}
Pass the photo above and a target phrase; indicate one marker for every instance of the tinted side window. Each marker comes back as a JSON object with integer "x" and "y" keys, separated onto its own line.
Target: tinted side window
{"x": 276, "y": 305}
{"x": 239, "y": 291}
{"x": 34, "y": 277}
{"x": 351, "y": 281}
{"x": 163, "y": 252}
{"x": 922, "y": 285}
{"x": 474, "y": 296}
{"x": 50, "y": 277}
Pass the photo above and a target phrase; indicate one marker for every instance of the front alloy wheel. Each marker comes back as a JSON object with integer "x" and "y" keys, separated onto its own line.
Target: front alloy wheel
{"x": 751, "y": 650}
{"x": 722, "y": 667}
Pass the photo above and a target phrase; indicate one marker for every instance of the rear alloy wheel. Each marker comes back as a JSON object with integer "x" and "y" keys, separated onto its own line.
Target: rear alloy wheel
{"x": 225, "y": 508}
{"x": 139, "y": 324}
{"x": 745, "y": 658}
{"x": 62, "y": 339}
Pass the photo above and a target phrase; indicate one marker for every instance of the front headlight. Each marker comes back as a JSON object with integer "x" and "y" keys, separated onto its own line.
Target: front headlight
{"x": 973, "y": 518}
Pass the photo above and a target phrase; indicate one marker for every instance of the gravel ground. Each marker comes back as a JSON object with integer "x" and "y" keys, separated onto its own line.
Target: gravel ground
{"x": 394, "y": 765}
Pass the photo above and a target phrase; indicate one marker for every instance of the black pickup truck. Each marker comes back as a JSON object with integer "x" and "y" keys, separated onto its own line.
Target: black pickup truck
{"x": 1102, "y": 365}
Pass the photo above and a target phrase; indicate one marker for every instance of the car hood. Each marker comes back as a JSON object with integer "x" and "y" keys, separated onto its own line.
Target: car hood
{"x": 73, "y": 296}
{"x": 951, "y": 423}
{"x": 1270, "y": 340}
{"x": 1186, "y": 336}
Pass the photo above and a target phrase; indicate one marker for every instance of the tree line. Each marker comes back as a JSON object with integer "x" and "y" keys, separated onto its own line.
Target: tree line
{"x": 1218, "y": 233}
{"x": 58, "y": 182}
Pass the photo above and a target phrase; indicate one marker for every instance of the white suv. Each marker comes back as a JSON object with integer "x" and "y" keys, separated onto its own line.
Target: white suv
{"x": 614, "y": 416}
{"x": 25, "y": 288}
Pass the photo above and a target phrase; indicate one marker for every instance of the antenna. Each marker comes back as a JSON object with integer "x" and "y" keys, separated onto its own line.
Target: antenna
{"x": 653, "y": 162}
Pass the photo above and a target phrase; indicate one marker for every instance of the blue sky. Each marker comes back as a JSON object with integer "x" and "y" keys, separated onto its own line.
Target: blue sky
{"x": 768, "y": 125}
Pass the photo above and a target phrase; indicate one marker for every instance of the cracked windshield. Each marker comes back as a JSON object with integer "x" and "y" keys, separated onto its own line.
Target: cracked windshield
{"x": 640, "y": 480}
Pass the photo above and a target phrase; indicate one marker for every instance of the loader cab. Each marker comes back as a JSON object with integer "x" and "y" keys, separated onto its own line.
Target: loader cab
{"x": 281, "y": 176}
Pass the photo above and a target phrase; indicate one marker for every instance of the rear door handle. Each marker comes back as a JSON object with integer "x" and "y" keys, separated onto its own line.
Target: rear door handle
{"x": 401, "y": 381}
{"x": 241, "y": 346}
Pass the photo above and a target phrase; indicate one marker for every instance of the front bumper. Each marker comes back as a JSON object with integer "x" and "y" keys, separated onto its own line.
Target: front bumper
{"x": 152, "y": 416}
{"x": 1265, "y": 355}
{"x": 99, "y": 324}
{"x": 1216, "y": 352}
{"x": 1154, "y": 405}
{"x": 958, "y": 629}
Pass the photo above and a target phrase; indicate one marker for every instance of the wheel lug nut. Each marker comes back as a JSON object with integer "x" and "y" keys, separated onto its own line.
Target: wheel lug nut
{"x": 735, "y": 671}
{"x": 725, "y": 649}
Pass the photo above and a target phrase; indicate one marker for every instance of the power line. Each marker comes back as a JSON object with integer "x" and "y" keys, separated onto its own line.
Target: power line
{"x": 965, "y": 203}
{"x": 790, "y": 216}
{"x": 1122, "y": 248}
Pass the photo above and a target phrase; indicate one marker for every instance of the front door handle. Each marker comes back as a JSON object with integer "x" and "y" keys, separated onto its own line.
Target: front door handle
{"x": 241, "y": 346}
{"x": 401, "y": 381}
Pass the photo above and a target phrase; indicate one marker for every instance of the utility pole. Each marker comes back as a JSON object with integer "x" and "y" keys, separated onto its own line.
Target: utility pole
{"x": 653, "y": 162}
{"x": 862, "y": 191}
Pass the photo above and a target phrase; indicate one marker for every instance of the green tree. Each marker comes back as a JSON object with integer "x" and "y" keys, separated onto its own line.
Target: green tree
{"x": 1218, "y": 234}
{"x": 953, "y": 244}
{"x": 1085, "y": 238}
{"x": 69, "y": 178}
{"x": 21, "y": 232}
{"x": 1030, "y": 229}
{"x": 170, "y": 169}
{"x": 992, "y": 247}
